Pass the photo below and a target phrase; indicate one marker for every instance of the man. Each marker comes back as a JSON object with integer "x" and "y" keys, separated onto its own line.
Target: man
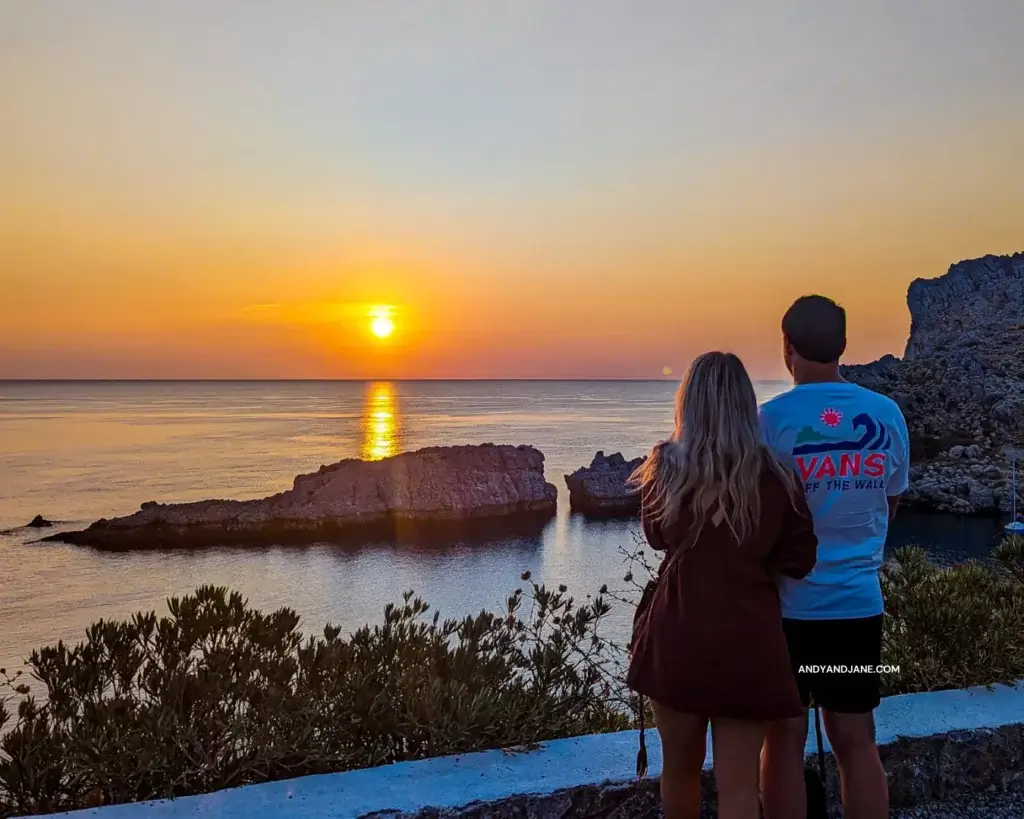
{"x": 850, "y": 448}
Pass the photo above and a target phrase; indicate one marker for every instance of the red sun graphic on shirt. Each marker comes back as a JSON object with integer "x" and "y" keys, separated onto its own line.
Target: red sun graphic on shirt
{"x": 831, "y": 418}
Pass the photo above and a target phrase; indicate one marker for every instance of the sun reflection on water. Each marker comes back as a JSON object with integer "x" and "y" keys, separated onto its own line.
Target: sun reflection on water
{"x": 380, "y": 422}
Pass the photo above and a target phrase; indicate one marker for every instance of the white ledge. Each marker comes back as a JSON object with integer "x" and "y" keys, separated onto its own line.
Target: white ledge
{"x": 568, "y": 763}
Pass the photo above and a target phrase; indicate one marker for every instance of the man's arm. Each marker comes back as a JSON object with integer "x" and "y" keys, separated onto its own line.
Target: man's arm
{"x": 900, "y": 478}
{"x": 894, "y": 502}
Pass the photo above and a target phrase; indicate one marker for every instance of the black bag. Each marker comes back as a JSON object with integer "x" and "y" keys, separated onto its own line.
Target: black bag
{"x": 814, "y": 780}
{"x": 647, "y": 595}
{"x": 641, "y": 608}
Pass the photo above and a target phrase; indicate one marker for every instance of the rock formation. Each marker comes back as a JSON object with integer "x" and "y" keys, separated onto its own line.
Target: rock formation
{"x": 437, "y": 490}
{"x": 39, "y": 522}
{"x": 600, "y": 490}
{"x": 960, "y": 384}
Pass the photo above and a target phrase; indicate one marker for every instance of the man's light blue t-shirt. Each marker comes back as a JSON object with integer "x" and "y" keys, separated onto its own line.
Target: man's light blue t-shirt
{"x": 851, "y": 450}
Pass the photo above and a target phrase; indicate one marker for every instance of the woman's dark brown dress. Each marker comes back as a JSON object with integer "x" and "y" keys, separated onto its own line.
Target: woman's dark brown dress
{"x": 712, "y": 642}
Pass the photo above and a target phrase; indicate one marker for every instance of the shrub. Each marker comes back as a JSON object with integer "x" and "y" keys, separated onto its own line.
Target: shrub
{"x": 1010, "y": 553}
{"x": 951, "y": 627}
{"x": 218, "y": 694}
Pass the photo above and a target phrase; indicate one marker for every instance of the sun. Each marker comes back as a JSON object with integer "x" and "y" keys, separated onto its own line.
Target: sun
{"x": 381, "y": 323}
{"x": 382, "y": 327}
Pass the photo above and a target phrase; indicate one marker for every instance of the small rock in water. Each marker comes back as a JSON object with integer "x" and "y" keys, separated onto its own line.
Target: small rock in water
{"x": 39, "y": 522}
{"x": 602, "y": 490}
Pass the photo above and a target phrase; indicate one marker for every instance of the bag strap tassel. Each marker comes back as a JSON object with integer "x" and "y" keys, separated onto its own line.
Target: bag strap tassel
{"x": 641, "y": 755}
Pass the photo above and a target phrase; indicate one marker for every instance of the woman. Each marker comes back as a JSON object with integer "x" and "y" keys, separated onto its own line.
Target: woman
{"x": 709, "y": 647}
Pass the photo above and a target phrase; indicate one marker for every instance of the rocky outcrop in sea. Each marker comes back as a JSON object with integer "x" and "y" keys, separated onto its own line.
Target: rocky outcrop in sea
{"x": 960, "y": 384}
{"x": 600, "y": 490}
{"x": 437, "y": 490}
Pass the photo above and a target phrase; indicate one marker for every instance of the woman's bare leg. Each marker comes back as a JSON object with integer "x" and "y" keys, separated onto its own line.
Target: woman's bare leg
{"x": 783, "y": 790}
{"x": 683, "y": 744}
{"x": 737, "y": 752}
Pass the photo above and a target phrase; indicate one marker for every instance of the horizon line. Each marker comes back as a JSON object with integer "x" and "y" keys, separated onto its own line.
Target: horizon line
{"x": 665, "y": 379}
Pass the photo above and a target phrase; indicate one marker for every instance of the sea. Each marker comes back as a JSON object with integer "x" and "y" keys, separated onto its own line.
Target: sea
{"x": 78, "y": 451}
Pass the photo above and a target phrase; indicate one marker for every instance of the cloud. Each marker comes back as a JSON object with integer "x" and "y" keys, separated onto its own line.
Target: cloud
{"x": 311, "y": 313}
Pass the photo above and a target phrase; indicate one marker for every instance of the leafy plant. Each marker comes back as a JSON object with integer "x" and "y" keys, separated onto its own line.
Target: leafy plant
{"x": 1010, "y": 553}
{"x": 950, "y": 627}
{"x": 218, "y": 694}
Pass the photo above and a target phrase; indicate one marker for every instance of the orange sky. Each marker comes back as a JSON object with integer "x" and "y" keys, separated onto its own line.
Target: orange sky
{"x": 223, "y": 193}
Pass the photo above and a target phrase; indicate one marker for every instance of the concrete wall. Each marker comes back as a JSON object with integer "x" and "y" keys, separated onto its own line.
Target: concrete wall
{"x": 934, "y": 744}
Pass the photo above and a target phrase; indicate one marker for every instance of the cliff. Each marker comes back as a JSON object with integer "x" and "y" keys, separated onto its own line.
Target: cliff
{"x": 960, "y": 383}
{"x": 974, "y": 300}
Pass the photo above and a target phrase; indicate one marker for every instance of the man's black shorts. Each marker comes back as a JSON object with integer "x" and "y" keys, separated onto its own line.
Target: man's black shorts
{"x": 848, "y": 644}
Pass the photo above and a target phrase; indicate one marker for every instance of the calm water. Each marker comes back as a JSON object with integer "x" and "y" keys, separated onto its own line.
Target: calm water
{"x": 75, "y": 452}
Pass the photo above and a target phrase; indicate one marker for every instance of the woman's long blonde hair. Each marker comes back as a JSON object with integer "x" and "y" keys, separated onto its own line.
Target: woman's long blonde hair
{"x": 716, "y": 456}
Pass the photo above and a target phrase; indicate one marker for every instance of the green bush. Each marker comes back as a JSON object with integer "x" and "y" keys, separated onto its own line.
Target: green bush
{"x": 1011, "y": 554}
{"x": 952, "y": 627}
{"x": 218, "y": 694}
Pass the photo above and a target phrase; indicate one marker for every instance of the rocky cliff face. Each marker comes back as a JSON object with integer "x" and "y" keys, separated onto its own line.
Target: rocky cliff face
{"x": 404, "y": 496}
{"x": 974, "y": 300}
{"x": 960, "y": 383}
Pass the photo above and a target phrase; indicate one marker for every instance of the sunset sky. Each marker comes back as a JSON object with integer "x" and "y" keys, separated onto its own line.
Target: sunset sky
{"x": 226, "y": 188}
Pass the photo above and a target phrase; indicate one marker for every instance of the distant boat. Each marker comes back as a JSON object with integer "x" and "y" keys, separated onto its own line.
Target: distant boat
{"x": 1014, "y": 527}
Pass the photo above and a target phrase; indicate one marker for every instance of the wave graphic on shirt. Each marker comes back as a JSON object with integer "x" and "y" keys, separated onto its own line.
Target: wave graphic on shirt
{"x": 874, "y": 436}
